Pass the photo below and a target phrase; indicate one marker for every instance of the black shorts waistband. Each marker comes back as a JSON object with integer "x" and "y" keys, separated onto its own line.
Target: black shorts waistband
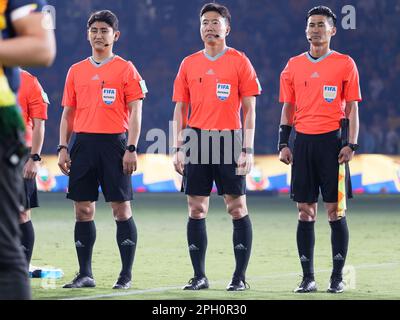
{"x": 331, "y": 135}
{"x": 100, "y": 136}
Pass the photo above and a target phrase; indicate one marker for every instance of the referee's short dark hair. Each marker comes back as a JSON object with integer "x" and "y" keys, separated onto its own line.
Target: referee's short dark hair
{"x": 323, "y": 11}
{"x": 104, "y": 16}
{"x": 216, "y": 7}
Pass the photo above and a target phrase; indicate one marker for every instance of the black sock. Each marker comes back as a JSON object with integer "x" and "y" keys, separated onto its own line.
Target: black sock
{"x": 127, "y": 240}
{"x": 305, "y": 245}
{"x": 27, "y": 239}
{"x": 340, "y": 243}
{"x": 242, "y": 240}
{"x": 197, "y": 243}
{"x": 85, "y": 236}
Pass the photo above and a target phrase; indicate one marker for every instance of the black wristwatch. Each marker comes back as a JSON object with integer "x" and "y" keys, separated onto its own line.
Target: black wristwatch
{"x": 131, "y": 148}
{"x": 353, "y": 146}
{"x": 60, "y": 147}
{"x": 176, "y": 149}
{"x": 248, "y": 150}
{"x": 282, "y": 146}
{"x": 35, "y": 157}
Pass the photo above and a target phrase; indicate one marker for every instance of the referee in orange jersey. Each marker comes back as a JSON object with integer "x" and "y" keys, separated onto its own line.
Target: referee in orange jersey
{"x": 33, "y": 102}
{"x": 215, "y": 82}
{"x": 102, "y": 101}
{"x": 318, "y": 89}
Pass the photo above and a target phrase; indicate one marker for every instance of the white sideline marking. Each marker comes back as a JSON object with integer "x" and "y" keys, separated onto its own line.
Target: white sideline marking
{"x": 278, "y": 275}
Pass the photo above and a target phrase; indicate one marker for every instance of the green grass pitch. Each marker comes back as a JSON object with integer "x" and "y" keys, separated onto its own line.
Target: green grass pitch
{"x": 162, "y": 265}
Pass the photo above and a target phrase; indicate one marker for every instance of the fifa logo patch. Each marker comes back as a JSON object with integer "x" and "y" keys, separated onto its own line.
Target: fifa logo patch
{"x": 109, "y": 95}
{"x": 223, "y": 91}
{"x": 330, "y": 93}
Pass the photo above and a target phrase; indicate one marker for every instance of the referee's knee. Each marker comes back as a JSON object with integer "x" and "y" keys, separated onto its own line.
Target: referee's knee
{"x": 307, "y": 212}
{"x": 198, "y": 208}
{"x": 197, "y": 212}
{"x": 237, "y": 212}
{"x": 84, "y": 212}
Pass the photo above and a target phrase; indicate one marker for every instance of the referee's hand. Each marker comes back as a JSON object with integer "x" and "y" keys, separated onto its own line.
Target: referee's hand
{"x": 245, "y": 163}
{"x": 30, "y": 169}
{"x": 129, "y": 162}
{"x": 345, "y": 155}
{"x": 286, "y": 156}
{"x": 64, "y": 161}
{"x": 179, "y": 160}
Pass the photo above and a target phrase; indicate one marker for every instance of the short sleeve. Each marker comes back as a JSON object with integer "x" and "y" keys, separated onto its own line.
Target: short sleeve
{"x": 248, "y": 81}
{"x": 351, "y": 83}
{"x": 286, "y": 91}
{"x": 37, "y": 101}
{"x": 18, "y": 9}
{"x": 134, "y": 86}
{"x": 181, "y": 87}
{"x": 69, "y": 96}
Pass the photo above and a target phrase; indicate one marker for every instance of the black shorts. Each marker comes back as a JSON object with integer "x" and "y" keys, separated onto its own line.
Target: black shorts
{"x": 12, "y": 258}
{"x": 96, "y": 160}
{"x": 315, "y": 166}
{"x": 31, "y": 196}
{"x": 213, "y": 157}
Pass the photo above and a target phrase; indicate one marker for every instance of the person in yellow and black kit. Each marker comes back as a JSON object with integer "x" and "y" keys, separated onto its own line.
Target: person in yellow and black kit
{"x": 23, "y": 41}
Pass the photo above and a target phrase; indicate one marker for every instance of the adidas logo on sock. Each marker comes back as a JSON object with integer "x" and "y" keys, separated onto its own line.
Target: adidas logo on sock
{"x": 192, "y": 247}
{"x": 79, "y": 244}
{"x": 303, "y": 258}
{"x": 240, "y": 247}
{"x": 127, "y": 242}
{"x": 338, "y": 257}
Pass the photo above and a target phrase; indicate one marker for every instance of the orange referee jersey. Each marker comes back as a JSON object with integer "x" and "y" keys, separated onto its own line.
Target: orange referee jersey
{"x": 100, "y": 93}
{"x": 33, "y": 102}
{"x": 214, "y": 87}
{"x": 319, "y": 90}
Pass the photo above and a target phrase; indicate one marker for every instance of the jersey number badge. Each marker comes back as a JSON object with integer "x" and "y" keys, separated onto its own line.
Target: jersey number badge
{"x": 330, "y": 93}
{"x": 109, "y": 95}
{"x": 223, "y": 91}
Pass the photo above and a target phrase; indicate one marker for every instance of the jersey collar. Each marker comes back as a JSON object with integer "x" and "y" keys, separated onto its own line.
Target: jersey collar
{"x": 320, "y": 58}
{"x": 98, "y": 65}
{"x": 219, "y": 55}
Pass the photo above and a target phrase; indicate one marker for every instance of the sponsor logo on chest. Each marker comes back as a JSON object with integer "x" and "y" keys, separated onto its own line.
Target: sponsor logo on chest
{"x": 109, "y": 95}
{"x": 223, "y": 91}
{"x": 330, "y": 93}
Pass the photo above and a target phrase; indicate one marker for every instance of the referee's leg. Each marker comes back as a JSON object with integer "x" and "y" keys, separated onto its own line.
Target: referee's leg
{"x": 84, "y": 237}
{"x": 242, "y": 239}
{"x": 340, "y": 244}
{"x": 197, "y": 240}
{"x": 127, "y": 241}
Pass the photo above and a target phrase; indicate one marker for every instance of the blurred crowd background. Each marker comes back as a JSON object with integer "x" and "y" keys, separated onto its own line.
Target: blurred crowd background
{"x": 157, "y": 34}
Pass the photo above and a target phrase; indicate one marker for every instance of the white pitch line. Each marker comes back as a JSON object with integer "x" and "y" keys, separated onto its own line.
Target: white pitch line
{"x": 278, "y": 275}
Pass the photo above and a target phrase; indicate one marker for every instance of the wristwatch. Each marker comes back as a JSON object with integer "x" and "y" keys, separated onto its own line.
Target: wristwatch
{"x": 282, "y": 146}
{"x": 35, "y": 157}
{"x": 176, "y": 149}
{"x": 353, "y": 146}
{"x": 248, "y": 150}
{"x": 60, "y": 147}
{"x": 131, "y": 148}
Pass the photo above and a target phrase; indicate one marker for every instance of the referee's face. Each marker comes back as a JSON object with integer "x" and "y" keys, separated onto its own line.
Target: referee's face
{"x": 319, "y": 30}
{"x": 213, "y": 27}
{"x": 102, "y": 36}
